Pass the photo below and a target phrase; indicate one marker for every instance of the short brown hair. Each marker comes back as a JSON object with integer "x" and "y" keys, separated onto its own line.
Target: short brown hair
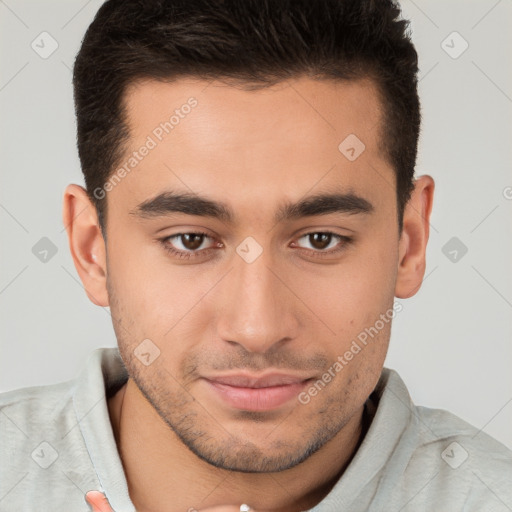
{"x": 258, "y": 42}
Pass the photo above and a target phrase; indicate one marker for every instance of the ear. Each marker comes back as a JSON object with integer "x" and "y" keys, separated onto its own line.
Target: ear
{"x": 413, "y": 241}
{"x": 86, "y": 243}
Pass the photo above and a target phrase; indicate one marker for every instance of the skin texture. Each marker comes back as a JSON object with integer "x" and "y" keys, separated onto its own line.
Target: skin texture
{"x": 294, "y": 309}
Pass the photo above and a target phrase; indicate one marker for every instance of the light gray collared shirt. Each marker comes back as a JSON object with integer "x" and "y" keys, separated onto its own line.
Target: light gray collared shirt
{"x": 57, "y": 443}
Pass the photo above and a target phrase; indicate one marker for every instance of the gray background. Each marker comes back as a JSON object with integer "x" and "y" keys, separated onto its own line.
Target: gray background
{"x": 452, "y": 341}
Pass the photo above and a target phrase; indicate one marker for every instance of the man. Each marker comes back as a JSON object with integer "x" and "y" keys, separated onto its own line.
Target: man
{"x": 250, "y": 214}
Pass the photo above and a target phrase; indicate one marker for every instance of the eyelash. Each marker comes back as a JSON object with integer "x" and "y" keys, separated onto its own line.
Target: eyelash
{"x": 201, "y": 253}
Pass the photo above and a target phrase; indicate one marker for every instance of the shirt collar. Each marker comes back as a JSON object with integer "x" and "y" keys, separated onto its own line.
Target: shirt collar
{"x": 104, "y": 373}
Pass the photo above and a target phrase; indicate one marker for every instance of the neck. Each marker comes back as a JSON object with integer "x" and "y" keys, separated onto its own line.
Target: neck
{"x": 163, "y": 475}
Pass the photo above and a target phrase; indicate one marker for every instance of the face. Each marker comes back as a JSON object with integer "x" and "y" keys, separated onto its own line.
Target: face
{"x": 252, "y": 252}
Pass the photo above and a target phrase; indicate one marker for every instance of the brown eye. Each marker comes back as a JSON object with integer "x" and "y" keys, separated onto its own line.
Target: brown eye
{"x": 320, "y": 240}
{"x": 192, "y": 241}
{"x": 188, "y": 243}
{"x": 323, "y": 243}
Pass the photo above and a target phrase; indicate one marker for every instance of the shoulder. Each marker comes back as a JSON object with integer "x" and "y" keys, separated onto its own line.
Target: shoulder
{"x": 455, "y": 463}
{"x": 33, "y": 423}
{"x": 25, "y": 408}
{"x": 439, "y": 461}
{"x": 459, "y": 440}
{"x": 44, "y": 457}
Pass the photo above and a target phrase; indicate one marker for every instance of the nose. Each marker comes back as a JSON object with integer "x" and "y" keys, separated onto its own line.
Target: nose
{"x": 258, "y": 311}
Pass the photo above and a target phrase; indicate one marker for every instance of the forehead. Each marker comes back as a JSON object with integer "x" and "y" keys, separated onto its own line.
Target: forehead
{"x": 301, "y": 107}
{"x": 211, "y": 138}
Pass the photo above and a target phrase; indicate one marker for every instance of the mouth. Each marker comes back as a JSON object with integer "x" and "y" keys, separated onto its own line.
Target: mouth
{"x": 253, "y": 393}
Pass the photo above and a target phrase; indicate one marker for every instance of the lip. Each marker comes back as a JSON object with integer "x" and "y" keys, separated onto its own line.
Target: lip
{"x": 256, "y": 393}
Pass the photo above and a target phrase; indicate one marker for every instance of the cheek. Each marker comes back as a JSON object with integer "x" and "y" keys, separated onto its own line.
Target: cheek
{"x": 152, "y": 294}
{"x": 134, "y": 283}
{"x": 351, "y": 295}
{"x": 157, "y": 296}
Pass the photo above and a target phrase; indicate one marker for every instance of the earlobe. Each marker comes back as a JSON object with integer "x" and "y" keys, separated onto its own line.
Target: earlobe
{"x": 86, "y": 243}
{"x": 413, "y": 242}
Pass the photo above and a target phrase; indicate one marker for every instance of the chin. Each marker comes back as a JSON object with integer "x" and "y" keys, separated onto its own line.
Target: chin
{"x": 248, "y": 457}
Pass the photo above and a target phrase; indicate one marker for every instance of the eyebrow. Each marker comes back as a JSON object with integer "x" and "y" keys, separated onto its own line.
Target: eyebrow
{"x": 187, "y": 203}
